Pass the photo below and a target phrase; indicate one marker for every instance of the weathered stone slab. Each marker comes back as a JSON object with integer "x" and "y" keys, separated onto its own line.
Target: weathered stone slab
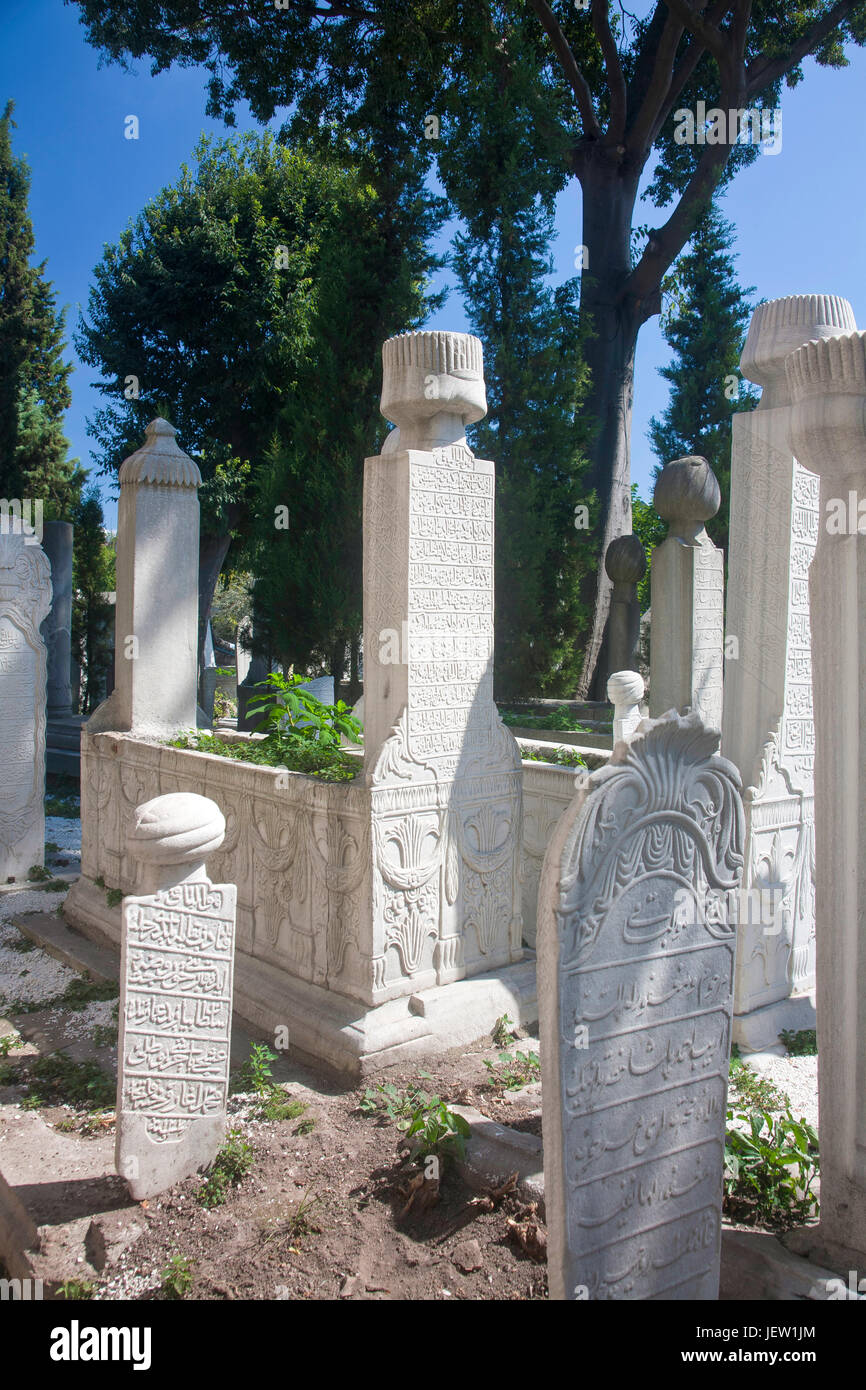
{"x": 176, "y": 999}
{"x": 635, "y": 1002}
{"x": 25, "y": 599}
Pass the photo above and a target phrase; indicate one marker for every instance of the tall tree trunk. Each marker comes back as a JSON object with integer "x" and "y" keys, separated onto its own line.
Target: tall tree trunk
{"x": 613, "y": 322}
{"x": 211, "y": 556}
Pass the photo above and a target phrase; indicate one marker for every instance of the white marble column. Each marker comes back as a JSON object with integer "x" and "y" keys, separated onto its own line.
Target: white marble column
{"x": 768, "y": 729}
{"x": 156, "y": 622}
{"x": 827, "y": 380}
{"x": 687, "y": 587}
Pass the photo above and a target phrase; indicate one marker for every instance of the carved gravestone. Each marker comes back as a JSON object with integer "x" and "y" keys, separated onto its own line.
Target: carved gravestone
{"x": 25, "y": 599}
{"x": 769, "y": 731}
{"x": 176, "y": 997}
{"x": 636, "y": 939}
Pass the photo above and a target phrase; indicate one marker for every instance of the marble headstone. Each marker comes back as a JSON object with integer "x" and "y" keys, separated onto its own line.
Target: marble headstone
{"x": 25, "y": 599}
{"x": 635, "y": 991}
{"x": 177, "y": 964}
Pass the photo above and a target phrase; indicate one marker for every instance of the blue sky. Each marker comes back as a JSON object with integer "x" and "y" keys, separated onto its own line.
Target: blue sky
{"x": 800, "y": 215}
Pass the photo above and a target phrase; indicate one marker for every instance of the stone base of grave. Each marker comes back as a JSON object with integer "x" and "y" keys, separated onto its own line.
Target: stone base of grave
{"x": 63, "y": 745}
{"x": 339, "y": 1032}
{"x": 757, "y": 1266}
{"x": 758, "y": 1031}
{"x": 814, "y": 1245}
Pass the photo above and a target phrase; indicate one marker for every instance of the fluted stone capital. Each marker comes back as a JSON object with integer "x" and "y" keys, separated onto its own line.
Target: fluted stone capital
{"x": 160, "y": 460}
{"x": 625, "y": 560}
{"x": 827, "y": 380}
{"x": 625, "y": 690}
{"x": 181, "y": 828}
{"x": 687, "y": 495}
{"x": 781, "y": 326}
{"x": 432, "y": 386}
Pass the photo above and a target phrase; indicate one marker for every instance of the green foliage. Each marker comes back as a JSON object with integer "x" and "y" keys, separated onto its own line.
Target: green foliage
{"x": 513, "y": 1070}
{"x": 503, "y": 1031}
{"x": 78, "y": 994}
{"x": 437, "y": 1130}
{"x": 567, "y": 757}
{"x": 423, "y": 1118}
{"x": 37, "y": 874}
{"x": 105, "y": 1035}
{"x": 34, "y": 385}
{"x": 771, "y": 1162}
{"x": 706, "y": 334}
{"x": 93, "y": 578}
{"x": 297, "y": 716}
{"x": 228, "y": 1170}
{"x": 561, "y": 719}
{"x": 327, "y": 763}
{"x": 9, "y": 1042}
{"x": 751, "y": 1089}
{"x": 176, "y": 1278}
{"x": 256, "y": 1074}
{"x": 57, "y": 1080}
{"x": 77, "y": 1289}
{"x": 800, "y": 1042}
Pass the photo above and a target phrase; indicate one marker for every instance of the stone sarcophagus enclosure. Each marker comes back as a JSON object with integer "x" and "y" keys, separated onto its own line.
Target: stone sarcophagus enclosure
{"x": 381, "y": 917}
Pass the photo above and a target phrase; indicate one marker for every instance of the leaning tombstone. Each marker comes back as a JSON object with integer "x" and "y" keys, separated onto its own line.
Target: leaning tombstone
{"x": 177, "y": 962}
{"x": 636, "y": 941}
{"x": 25, "y": 599}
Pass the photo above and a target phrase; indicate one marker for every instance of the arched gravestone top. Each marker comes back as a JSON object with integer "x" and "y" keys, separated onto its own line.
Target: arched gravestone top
{"x": 636, "y": 939}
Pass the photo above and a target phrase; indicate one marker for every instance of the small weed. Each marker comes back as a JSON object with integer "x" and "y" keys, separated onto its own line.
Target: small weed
{"x": 51, "y": 847}
{"x": 176, "y": 1277}
{"x": 306, "y": 1126}
{"x": 800, "y": 1042}
{"x": 77, "y": 1289}
{"x": 37, "y": 873}
{"x": 513, "y": 1070}
{"x": 105, "y": 1035}
{"x": 228, "y": 1170}
{"x": 399, "y": 1106}
{"x": 100, "y": 881}
{"x": 256, "y": 1074}
{"x": 438, "y": 1130}
{"x": 57, "y": 1080}
{"x": 754, "y": 1091}
{"x": 23, "y": 945}
{"x": 64, "y": 806}
{"x": 9, "y": 1042}
{"x": 769, "y": 1169}
{"x": 503, "y": 1031}
{"x": 297, "y": 1224}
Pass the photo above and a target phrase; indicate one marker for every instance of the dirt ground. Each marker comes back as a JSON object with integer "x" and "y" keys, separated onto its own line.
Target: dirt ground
{"x": 328, "y": 1207}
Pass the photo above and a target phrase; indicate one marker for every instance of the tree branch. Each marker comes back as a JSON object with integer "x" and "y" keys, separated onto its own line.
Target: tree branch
{"x": 613, "y": 70}
{"x": 573, "y": 74}
{"x": 710, "y": 35}
{"x": 764, "y": 71}
{"x": 666, "y": 243}
{"x": 659, "y": 81}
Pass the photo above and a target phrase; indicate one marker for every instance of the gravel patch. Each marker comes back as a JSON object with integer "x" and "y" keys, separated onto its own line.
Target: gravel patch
{"x": 798, "y": 1078}
{"x": 30, "y": 976}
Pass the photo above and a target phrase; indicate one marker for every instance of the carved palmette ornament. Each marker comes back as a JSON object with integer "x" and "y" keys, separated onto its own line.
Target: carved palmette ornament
{"x": 663, "y": 805}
